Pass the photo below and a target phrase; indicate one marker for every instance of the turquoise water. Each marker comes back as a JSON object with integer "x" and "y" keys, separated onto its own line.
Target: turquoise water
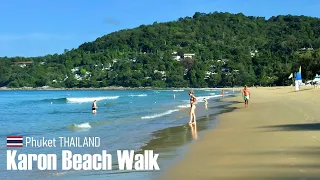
{"x": 125, "y": 119}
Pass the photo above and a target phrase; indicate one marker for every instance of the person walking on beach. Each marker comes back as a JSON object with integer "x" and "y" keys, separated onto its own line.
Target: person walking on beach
{"x": 222, "y": 92}
{"x": 193, "y": 100}
{"x": 246, "y": 95}
{"x": 94, "y": 107}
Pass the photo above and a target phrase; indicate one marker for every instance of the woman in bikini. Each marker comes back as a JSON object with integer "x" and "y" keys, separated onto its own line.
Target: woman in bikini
{"x": 193, "y": 100}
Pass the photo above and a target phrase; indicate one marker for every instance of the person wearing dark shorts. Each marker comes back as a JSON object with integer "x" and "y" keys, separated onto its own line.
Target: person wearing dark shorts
{"x": 94, "y": 107}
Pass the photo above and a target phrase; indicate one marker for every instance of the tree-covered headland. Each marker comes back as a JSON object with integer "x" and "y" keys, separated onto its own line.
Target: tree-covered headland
{"x": 206, "y": 50}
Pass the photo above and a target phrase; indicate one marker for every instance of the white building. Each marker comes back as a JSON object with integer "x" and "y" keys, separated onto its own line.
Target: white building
{"x": 176, "y": 56}
{"x": 22, "y": 64}
{"x": 188, "y": 55}
{"x": 253, "y": 53}
{"x": 224, "y": 61}
{"x": 73, "y": 70}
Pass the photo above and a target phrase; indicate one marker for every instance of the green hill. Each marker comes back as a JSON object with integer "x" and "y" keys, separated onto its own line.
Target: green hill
{"x": 206, "y": 50}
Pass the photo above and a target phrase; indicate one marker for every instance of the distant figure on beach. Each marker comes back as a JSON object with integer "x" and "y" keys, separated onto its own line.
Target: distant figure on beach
{"x": 205, "y": 102}
{"x": 193, "y": 100}
{"x": 222, "y": 92}
{"x": 94, "y": 107}
{"x": 246, "y": 95}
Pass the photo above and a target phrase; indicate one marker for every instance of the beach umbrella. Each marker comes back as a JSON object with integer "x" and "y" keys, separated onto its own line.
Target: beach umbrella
{"x": 300, "y": 69}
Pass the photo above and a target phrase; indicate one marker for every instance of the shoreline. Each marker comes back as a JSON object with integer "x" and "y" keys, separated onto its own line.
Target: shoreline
{"x": 275, "y": 138}
{"x": 108, "y": 88}
{"x": 173, "y": 142}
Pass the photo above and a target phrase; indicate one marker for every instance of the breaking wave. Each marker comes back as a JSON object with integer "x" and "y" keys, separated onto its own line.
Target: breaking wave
{"x": 90, "y": 99}
{"x": 199, "y": 99}
{"x": 82, "y": 126}
{"x": 138, "y": 95}
{"x": 160, "y": 114}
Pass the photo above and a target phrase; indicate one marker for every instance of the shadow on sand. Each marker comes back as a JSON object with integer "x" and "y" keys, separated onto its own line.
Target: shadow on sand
{"x": 304, "y": 171}
{"x": 295, "y": 127}
{"x": 300, "y": 90}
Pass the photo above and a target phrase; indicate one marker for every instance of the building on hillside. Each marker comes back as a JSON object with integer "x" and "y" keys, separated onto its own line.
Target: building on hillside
{"x": 207, "y": 76}
{"x": 161, "y": 72}
{"x": 74, "y": 70}
{"x": 22, "y": 64}
{"x": 189, "y": 55}
{"x": 175, "y": 56}
{"x": 208, "y": 73}
{"x": 253, "y": 53}
{"x": 305, "y": 49}
{"x": 224, "y": 61}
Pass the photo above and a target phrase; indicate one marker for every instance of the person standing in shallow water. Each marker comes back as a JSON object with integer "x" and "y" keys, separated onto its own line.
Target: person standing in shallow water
{"x": 94, "y": 107}
{"x": 246, "y": 96}
{"x": 205, "y": 102}
{"x": 193, "y": 100}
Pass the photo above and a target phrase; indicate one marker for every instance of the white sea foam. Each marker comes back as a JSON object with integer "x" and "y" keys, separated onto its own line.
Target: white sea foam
{"x": 82, "y": 126}
{"x": 199, "y": 99}
{"x": 138, "y": 95}
{"x": 90, "y": 99}
{"x": 184, "y": 106}
{"x": 160, "y": 114}
{"x": 176, "y": 90}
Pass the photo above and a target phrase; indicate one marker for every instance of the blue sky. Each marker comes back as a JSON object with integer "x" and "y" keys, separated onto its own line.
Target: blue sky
{"x": 38, "y": 27}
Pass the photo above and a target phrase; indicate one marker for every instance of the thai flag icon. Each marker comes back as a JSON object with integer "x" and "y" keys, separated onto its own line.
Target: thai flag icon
{"x": 14, "y": 141}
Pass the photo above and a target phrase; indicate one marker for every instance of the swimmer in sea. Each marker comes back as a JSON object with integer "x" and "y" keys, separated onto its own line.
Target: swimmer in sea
{"x": 94, "y": 107}
{"x": 193, "y": 100}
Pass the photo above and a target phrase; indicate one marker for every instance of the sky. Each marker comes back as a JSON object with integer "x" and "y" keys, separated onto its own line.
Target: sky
{"x": 36, "y": 27}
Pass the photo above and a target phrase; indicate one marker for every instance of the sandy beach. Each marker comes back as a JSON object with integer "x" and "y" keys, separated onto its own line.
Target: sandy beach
{"x": 276, "y": 138}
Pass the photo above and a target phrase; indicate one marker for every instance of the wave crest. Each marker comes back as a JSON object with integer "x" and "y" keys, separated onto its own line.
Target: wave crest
{"x": 138, "y": 95}
{"x": 90, "y": 99}
{"x": 80, "y": 127}
{"x": 199, "y": 99}
{"x": 160, "y": 114}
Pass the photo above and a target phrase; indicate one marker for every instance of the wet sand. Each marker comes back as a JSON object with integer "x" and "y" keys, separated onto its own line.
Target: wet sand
{"x": 276, "y": 138}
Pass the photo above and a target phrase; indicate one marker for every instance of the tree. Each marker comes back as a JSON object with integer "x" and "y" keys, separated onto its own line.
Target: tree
{"x": 264, "y": 51}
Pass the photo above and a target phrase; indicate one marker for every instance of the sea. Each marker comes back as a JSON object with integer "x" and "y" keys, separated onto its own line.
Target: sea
{"x": 125, "y": 120}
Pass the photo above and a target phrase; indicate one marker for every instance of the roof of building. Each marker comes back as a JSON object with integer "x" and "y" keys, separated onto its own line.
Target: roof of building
{"x": 23, "y": 62}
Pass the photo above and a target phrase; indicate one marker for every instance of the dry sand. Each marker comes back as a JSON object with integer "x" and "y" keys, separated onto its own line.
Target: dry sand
{"x": 276, "y": 138}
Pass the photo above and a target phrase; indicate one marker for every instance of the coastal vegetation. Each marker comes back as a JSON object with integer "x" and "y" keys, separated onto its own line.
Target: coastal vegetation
{"x": 206, "y": 50}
